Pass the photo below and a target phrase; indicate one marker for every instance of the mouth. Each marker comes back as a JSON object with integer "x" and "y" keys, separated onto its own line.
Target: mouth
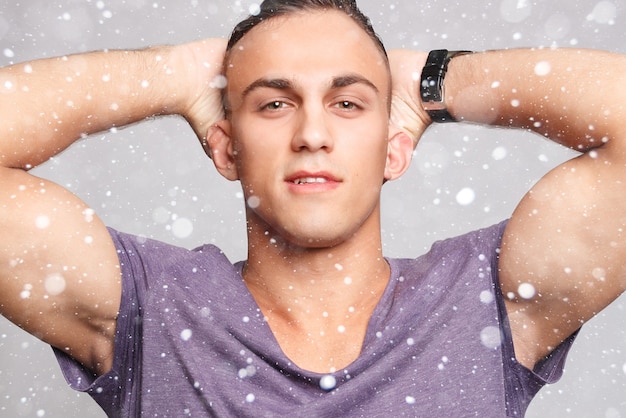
{"x": 309, "y": 180}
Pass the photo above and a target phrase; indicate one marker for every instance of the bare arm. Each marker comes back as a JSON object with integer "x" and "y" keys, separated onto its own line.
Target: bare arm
{"x": 564, "y": 243}
{"x": 59, "y": 274}
{"x": 565, "y": 237}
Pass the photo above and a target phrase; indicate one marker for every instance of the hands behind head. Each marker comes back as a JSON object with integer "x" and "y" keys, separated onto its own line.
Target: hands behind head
{"x": 203, "y": 84}
{"x": 203, "y": 63}
{"x": 407, "y": 113}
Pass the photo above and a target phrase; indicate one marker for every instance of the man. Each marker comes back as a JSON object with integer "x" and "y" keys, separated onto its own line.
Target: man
{"x": 316, "y": 318}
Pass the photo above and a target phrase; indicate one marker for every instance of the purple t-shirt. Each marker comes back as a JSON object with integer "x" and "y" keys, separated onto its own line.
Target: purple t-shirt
{"x": 191, "y": 341}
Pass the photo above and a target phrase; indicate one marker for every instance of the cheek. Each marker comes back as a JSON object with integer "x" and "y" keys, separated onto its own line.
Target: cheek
{"x": 370, "y": 142}
{"x": 254, "y": 161}
{"x": 368, "y": 165}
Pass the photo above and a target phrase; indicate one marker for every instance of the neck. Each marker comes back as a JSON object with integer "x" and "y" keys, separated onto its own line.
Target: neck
{"x": 319, "y": 298}
{"x": 284, "y": 277}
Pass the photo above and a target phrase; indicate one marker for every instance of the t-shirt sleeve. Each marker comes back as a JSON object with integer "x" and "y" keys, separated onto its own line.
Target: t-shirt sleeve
{"x": 113, "y": 390}
{"x": 521, "y": 383}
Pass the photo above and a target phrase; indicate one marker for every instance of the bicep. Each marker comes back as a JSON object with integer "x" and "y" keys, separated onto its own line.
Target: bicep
{"x": 59, "y": 271}
{"x": 563, "y": 252}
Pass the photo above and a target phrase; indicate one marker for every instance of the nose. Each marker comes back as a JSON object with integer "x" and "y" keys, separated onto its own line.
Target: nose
{"x": 312, "y": 131}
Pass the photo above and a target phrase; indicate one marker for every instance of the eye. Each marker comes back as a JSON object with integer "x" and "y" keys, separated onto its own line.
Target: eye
{"x": 274, "y": 105}
{"x": 346, "y": 105}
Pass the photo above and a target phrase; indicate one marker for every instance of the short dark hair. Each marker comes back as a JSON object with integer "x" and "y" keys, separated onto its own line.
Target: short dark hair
{"x": 270, "y": 9}
{"x": 274, "y": 8}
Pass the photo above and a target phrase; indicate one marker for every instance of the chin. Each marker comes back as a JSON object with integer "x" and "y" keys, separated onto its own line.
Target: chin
{"x": 314, "y": 240}
{"x": 323, "y": 232}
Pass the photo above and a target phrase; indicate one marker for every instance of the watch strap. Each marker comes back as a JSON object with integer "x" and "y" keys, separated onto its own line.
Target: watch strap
{"x": 431, "y": 84}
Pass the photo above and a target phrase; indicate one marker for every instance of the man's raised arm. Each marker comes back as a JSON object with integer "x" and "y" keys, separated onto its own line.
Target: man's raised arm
{"x": 563, "y": 254}
{"x": 59, "y": 277}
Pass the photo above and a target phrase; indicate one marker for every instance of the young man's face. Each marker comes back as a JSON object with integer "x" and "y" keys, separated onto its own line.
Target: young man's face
{"x": 309, "y": 97}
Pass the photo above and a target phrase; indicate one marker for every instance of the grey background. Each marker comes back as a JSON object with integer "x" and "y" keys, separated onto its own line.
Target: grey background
{"x": 152, "y": 179}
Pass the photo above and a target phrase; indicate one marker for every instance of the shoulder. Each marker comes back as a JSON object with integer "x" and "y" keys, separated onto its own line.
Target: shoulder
{"x": 157, "y": 251}
{"x": 452, "y": 269}
{"x": 488, "y": 238}
{"x": 146, "y": 261}
{"x": 483, "y": 244}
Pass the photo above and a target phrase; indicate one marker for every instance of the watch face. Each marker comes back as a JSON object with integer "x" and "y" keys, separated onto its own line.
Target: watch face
{"x": 431, "y": 86}
{"x": 431, "y": 90}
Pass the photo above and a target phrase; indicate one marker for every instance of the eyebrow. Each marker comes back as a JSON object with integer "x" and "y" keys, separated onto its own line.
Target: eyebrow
{"x": 272, "y": 83}
{"x": 349, "y": 79}
{"x": 286, "y": 84}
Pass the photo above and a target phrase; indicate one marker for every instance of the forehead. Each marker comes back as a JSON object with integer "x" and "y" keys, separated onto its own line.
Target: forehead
{"x": 311, "y": 45}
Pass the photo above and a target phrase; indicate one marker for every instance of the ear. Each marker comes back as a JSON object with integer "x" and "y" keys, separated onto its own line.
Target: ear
{"x": 399, "y": 153}
{"x": 219, "y": 147}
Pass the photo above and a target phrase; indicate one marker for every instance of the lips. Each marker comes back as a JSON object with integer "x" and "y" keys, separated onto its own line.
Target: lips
{"x": 310, "y": 181}
{"x": 303, "y": 177}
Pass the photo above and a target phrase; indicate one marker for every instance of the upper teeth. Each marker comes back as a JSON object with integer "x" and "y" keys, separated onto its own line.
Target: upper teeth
{"x": 310, "y": 180}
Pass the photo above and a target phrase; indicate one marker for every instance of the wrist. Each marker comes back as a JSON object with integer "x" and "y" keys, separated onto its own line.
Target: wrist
{"x": 166, "y": 79}
{"x": 199, "y": 82}
{"x": 433, "y": 92}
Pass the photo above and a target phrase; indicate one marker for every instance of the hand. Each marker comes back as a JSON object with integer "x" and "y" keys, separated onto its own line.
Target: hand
{"x": 203, "y": 62}
{"x": 407, "y": 113}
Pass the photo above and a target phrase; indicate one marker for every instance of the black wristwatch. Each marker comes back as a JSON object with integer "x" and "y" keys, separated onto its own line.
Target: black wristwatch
{"x": 431, "y": 84}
